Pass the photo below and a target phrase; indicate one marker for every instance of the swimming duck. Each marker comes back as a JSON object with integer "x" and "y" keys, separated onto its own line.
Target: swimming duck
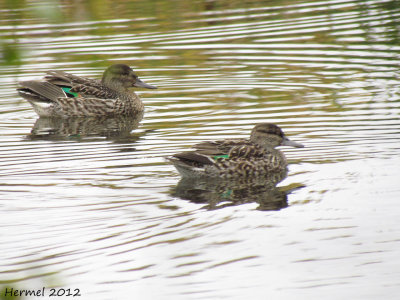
{"x": 61, "y": 94}
{"x": 237, "y": 158}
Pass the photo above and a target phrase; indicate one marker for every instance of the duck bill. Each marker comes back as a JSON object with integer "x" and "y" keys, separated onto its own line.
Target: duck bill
{"x": 287, "y": 142}
{"x": 142, "y": 84}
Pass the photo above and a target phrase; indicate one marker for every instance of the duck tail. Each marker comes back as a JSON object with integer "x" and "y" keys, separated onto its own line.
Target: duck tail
{"x": 40, "y": 91}
{"x": 192, "y": 158}
{"x": 190, "y": 164}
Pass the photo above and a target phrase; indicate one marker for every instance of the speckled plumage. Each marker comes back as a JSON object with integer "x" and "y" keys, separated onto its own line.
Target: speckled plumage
{"x": 236, "y": 158}
{"x": 67, "y": 95}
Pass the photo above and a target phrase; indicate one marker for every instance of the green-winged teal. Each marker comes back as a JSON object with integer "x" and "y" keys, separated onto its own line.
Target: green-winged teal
{"x": 237, "y": 158}
{"x": 61, "y": 94}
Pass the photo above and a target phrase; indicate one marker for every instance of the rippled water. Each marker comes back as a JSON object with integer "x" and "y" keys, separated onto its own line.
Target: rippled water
{"x": 96, "y": 206}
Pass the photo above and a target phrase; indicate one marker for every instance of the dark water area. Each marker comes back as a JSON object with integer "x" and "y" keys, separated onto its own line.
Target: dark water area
{"x": 94, "y": 205}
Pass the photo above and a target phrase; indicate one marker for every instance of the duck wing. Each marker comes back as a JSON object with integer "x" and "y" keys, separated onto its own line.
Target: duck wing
{"x": 192, "y": 158}
{"x": 87, "y": 91}
{"x": 66, "y": 79}
{"x": 221, "y": 147}
{"x": 79, "y": 86}
{"x": 247, "y": 152}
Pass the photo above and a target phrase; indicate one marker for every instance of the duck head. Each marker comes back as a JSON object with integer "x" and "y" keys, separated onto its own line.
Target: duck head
{"x": 269, "y": 135}
{"x": 122, "y": 76}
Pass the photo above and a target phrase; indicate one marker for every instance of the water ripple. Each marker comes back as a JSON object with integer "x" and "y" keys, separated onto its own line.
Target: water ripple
{"x": 101, "y": 212}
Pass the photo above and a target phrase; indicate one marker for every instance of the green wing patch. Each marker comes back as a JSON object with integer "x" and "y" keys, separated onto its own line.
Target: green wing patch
{"x": 67, "y": 90}
{"x": 221, "y": 156}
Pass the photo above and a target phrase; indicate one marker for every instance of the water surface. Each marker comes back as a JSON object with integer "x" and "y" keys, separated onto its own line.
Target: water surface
{"x": 97, "y": 207}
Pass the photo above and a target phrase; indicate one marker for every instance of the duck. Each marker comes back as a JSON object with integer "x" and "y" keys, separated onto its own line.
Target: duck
{"x": 61, "y": 94}
{"x": 236, "y": 158}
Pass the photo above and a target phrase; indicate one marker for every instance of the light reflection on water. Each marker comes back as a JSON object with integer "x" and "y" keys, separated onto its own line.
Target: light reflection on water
{"x": 95, "y": 206}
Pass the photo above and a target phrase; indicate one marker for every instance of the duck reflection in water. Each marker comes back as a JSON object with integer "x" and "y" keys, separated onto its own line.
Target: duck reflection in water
{"x": 217, "y": 194}
{"x": 238, "y": 170}
{"x": 116, "y": 128}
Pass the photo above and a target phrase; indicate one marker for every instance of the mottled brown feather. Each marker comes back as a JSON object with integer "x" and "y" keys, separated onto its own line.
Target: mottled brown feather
{"x": 86, "y": 97}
